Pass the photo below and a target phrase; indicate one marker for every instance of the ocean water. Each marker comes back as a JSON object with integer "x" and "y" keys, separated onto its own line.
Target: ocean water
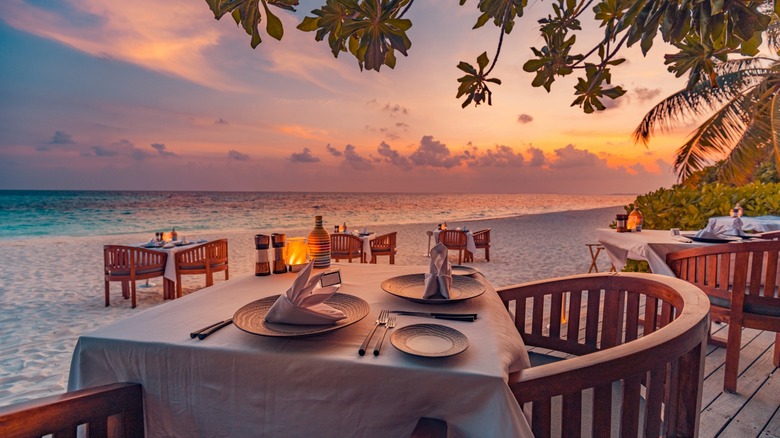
{"x": 30, "y": 214}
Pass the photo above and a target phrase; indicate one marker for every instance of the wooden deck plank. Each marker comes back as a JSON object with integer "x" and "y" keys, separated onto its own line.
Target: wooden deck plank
{"x": 718, "y": 415}
{"x": 754, "y": 343}
{"x": 772, "y": 429}
{"x": 756, "y": 414}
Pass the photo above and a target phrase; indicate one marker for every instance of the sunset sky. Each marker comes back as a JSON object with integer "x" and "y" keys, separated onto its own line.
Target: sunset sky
{"x": 142, "y": 95}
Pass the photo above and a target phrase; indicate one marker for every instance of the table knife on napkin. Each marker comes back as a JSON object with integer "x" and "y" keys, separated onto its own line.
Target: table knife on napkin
{"x": 470, "y": 317}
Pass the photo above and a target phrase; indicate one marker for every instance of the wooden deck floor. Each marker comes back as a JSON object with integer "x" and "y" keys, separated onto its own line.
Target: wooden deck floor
{"x": 754, "y": 411}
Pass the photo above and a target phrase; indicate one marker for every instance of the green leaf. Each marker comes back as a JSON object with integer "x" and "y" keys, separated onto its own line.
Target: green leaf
{"x": 482, "y": 61}
{"x": 481, "y": 21}
{"x": 273, "y": 24}
{"x": 309, "y": 24}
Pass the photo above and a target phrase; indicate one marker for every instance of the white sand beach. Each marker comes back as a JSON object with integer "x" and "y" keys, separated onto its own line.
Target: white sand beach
{"x": 51, "y": 289}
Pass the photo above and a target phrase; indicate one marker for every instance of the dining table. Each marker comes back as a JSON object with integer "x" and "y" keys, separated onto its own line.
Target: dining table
{"x": 171, "y": 248}
{"x": 758, "y": 224}
{"x": 471, "y": 246}
{"x": 239, "y": 383}
{"x": 651, "y": 246}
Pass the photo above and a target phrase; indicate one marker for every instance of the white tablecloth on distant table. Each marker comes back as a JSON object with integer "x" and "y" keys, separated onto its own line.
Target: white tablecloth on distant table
{"x": 649, "y": 245}
{"x": 367, "y": 245}
{"x": 170, "y": 263}
{"x": 470, "y": 245}
{"x": 238, "y": 384}
{"x": 760, "y": 224}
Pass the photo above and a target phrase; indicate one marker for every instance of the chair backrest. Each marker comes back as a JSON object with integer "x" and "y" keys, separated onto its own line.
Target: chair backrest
{"x": 384, "y": 242}
{"x": 61, "y": 415}
{"x": 639, "y": 342}
{"x": 345, "y": 243}
{"x": 482, "y": 237}
{"x": 127, "y": 260}
{"x": 770, "y": 235}
{"x": 453, "y": 239}
{"x": 215, "y": 253}
{"x": 743, "y": 276}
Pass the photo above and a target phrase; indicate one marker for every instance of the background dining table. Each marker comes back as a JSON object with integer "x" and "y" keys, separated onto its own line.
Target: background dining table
{"x": 235, "y": 383}
{"x": 649, "y": 245}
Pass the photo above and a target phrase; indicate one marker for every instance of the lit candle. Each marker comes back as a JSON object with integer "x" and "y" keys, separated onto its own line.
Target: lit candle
{"x": 297, "y": 253}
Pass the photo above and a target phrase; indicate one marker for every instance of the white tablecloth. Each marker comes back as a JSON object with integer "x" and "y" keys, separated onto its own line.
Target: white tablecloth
{"x": 649, "y": 245}
{"x": 759, "y": 224}
{"x": 170, "y": 263}
{"x": 470, "y": 245}
{"x": 238, "y": 384}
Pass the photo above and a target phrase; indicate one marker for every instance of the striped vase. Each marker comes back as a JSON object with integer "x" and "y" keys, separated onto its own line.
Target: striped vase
{"x": 319, "y": 244}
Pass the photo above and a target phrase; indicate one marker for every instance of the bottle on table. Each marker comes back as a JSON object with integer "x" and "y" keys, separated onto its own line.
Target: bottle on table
{"x": 174, "y": 234}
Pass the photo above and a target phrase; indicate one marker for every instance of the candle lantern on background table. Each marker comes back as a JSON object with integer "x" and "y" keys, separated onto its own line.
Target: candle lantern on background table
{"x": 297, "y": 253}
{"x": 319, "y": 244}
{"x": 736, "y": 213}
{"x": 279, "y": 243}
{"x": 635, "y": 220}
{"x": 262, "y": 263}
{"x": 621, "y": 221}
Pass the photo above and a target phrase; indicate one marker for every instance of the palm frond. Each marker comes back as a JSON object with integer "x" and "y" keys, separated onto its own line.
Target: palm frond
{"x": 714, "y": 137}
{"x": 691, "y": 103}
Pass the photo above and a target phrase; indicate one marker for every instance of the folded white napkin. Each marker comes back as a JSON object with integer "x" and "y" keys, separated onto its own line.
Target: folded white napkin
{"x": 439, "y": 280}
{"x": 712, "y": 232}
{"x": 303, "y": 303}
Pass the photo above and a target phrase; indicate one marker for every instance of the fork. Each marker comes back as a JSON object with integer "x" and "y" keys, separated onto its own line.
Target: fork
{"x": 390, "y": 324}
{"x": 380, "y": 320}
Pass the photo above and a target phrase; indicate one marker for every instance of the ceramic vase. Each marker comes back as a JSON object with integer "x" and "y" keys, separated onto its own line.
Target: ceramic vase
{"x": 319, "y": 244}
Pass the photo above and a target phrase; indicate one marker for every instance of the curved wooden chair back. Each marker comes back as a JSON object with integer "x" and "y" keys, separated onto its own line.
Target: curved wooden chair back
{"x": 129, "y": 264}
{"x": 741, "y": 281}
{"x": 770, "y": 235}
{"x": 384, "y": 245}
{"x": 113, "y": 410}
{"x": 207, "y": 258}
{"x": 455, "y": 240}
{"x": 620, "y": 377}
{"x": 346, "y": 246}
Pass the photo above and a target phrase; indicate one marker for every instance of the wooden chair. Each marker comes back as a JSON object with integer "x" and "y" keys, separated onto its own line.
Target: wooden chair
{"x": 481, "y": 241}
{"x": 207, "y": 258}
{"x": 115, "y": 410}
{"x": 741, "y": 281}
{"x": 455, "y": 240}
{"x": 346, "y": 246}
{"x": 384, "y": 245}
{"x": 129, "y": 264}
{"x": 634, "y": 349}
{"x": 770, "y": 235}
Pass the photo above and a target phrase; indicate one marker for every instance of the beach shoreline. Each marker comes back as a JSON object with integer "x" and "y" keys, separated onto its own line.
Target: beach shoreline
{"x": 51, "y": 289}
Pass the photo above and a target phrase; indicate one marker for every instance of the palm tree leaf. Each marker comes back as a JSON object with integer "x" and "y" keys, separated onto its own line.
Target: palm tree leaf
{"x": 713, "y": 138}
{"x": 686, "y": 104}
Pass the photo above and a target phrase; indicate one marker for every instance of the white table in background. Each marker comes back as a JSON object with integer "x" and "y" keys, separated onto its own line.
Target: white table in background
{"x": 170, "y": 263}
{"x": 470, "y": 245}
{"x": 238, "y": 384}
{"x": 649, "y": 245}
{"x": 760, "y": 224}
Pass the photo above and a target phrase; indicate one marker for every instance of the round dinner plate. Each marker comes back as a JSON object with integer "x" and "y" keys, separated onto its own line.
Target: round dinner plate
{"x": 429, "y": 340}
{"x": 463, "y": 270}
{"x": 251, "y": 317}
{"x": 412, "y": 287}
{"x": 715, "y": 240}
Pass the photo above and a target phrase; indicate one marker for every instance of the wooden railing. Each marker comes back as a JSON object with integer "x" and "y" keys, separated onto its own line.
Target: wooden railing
{"x": 637, "y": 338}
{"x": 114, "y": 410}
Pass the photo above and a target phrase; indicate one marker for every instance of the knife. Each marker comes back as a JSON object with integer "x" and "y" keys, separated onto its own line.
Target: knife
{"x": 470, "y": 317}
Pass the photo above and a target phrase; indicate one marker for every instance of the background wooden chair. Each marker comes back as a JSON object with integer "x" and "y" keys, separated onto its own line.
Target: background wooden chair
{"x": 128, "y": 264}
{"x": 346, "y": 246}
{"x": 741, "y": 282}
{"x": 110, "y": 410}
{"x": 384, "y": 245}
{"x": 481, "y": 241}
{"x": 455, "y": 240}
{"x": 207, "y": 258}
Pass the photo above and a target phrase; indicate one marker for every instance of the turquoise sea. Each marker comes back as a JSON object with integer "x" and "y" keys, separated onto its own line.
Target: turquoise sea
{"x": 29, "y": 214}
